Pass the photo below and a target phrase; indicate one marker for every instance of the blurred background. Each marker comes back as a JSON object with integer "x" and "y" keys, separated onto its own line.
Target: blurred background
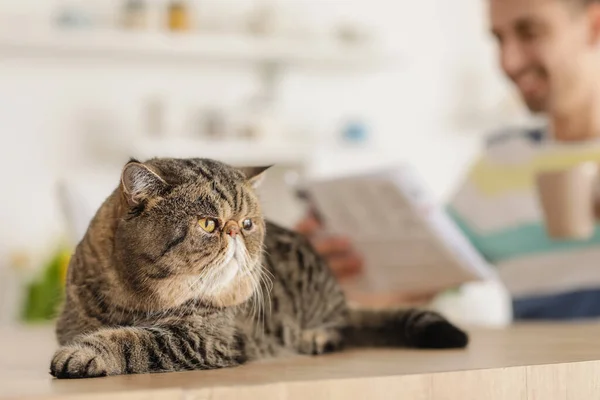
{"x": 317, "y": 87}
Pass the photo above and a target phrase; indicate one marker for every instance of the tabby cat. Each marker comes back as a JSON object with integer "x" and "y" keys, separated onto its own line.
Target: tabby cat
{"x": 179, "y": 271}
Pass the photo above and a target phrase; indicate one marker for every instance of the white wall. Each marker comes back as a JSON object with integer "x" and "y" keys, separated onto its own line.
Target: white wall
{"x": 48, "y": 106}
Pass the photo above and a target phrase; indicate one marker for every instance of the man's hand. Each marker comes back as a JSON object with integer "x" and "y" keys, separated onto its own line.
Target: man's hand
{"x": 342, "y": 258}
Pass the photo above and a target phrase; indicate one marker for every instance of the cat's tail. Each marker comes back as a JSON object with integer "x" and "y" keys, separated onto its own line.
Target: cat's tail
{"x": 402, "y": 328}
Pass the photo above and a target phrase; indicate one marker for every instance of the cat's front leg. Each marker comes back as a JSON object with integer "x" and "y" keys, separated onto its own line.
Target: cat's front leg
{"x": 83, "y": 361}
{"x": 143, "y": 350}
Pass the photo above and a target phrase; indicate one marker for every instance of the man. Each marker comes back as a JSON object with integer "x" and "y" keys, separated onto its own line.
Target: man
{"x": 550, "y": 50}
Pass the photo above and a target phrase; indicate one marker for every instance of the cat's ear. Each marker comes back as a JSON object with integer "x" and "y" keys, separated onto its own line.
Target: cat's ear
{"x": 255, "y": 175}
{"x": 139, "y": 183}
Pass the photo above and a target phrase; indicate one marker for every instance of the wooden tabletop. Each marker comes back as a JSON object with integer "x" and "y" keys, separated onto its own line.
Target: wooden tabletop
{"x": 544, "y": 362}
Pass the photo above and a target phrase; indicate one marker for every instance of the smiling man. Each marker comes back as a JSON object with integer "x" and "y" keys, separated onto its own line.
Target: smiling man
{"x": 550, "y": 50}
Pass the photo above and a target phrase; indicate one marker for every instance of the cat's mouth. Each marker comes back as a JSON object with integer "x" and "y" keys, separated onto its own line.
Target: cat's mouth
{"x": 233, "y": 264}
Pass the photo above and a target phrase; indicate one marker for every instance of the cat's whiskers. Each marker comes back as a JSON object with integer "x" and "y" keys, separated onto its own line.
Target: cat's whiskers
{"x": 256, "y": 299}
{"x": 259, "y": 277}
{"x": 245, "y": 263}
{"x": 265, "y": 278}
{"x": 246, "y": 271}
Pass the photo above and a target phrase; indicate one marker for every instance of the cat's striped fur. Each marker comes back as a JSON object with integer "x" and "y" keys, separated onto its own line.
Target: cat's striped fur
{"x": 149, "y": 291}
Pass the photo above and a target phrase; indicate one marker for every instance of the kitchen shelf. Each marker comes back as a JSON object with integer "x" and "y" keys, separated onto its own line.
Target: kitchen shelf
{"x": 239, "y": 152}
{"x": 123, "y": 45}
{"x": 314, "y": 159}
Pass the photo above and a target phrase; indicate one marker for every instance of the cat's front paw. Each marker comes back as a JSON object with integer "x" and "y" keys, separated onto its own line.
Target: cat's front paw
{"x": 71, "y": 362}
{"x": 435, "y": 332}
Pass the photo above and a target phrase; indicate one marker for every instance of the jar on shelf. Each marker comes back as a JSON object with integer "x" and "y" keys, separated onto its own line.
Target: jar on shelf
{"x": 135, "y": 15}
{"x": 178, "y": 16}
{"x": 74, "y": 15}
{"x": 355, "y": 132}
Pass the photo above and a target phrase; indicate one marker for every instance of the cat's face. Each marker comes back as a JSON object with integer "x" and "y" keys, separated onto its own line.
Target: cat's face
{"x": 193, "y": 229}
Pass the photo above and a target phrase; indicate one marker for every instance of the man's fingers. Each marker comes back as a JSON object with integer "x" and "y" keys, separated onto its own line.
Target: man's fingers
{"x": 346, "y": 266}
{"x": 337, "y": 251}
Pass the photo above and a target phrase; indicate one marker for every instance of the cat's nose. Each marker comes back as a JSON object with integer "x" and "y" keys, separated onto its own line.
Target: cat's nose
{"x": 232, "y": 229}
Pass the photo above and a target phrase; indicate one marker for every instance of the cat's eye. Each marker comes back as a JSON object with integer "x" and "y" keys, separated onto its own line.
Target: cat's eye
{"x": 208, "y": 224}
{"x": 247, "y": 224}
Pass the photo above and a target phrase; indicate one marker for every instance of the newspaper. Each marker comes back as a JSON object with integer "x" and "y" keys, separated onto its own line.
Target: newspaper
{"x": 409, "y": 243}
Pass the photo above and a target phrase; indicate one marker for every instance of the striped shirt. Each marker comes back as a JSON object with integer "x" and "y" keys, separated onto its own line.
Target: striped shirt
{"x": 498, "y": 209}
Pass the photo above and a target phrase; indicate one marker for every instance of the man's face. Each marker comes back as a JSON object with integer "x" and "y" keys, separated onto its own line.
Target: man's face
{"x": 542, "y": 44}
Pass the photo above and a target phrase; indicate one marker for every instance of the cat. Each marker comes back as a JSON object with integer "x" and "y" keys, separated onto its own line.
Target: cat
{"x": 180, "y": 271}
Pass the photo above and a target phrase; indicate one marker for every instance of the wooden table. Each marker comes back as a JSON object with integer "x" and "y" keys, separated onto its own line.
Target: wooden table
{"x": 541, "y": 362}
